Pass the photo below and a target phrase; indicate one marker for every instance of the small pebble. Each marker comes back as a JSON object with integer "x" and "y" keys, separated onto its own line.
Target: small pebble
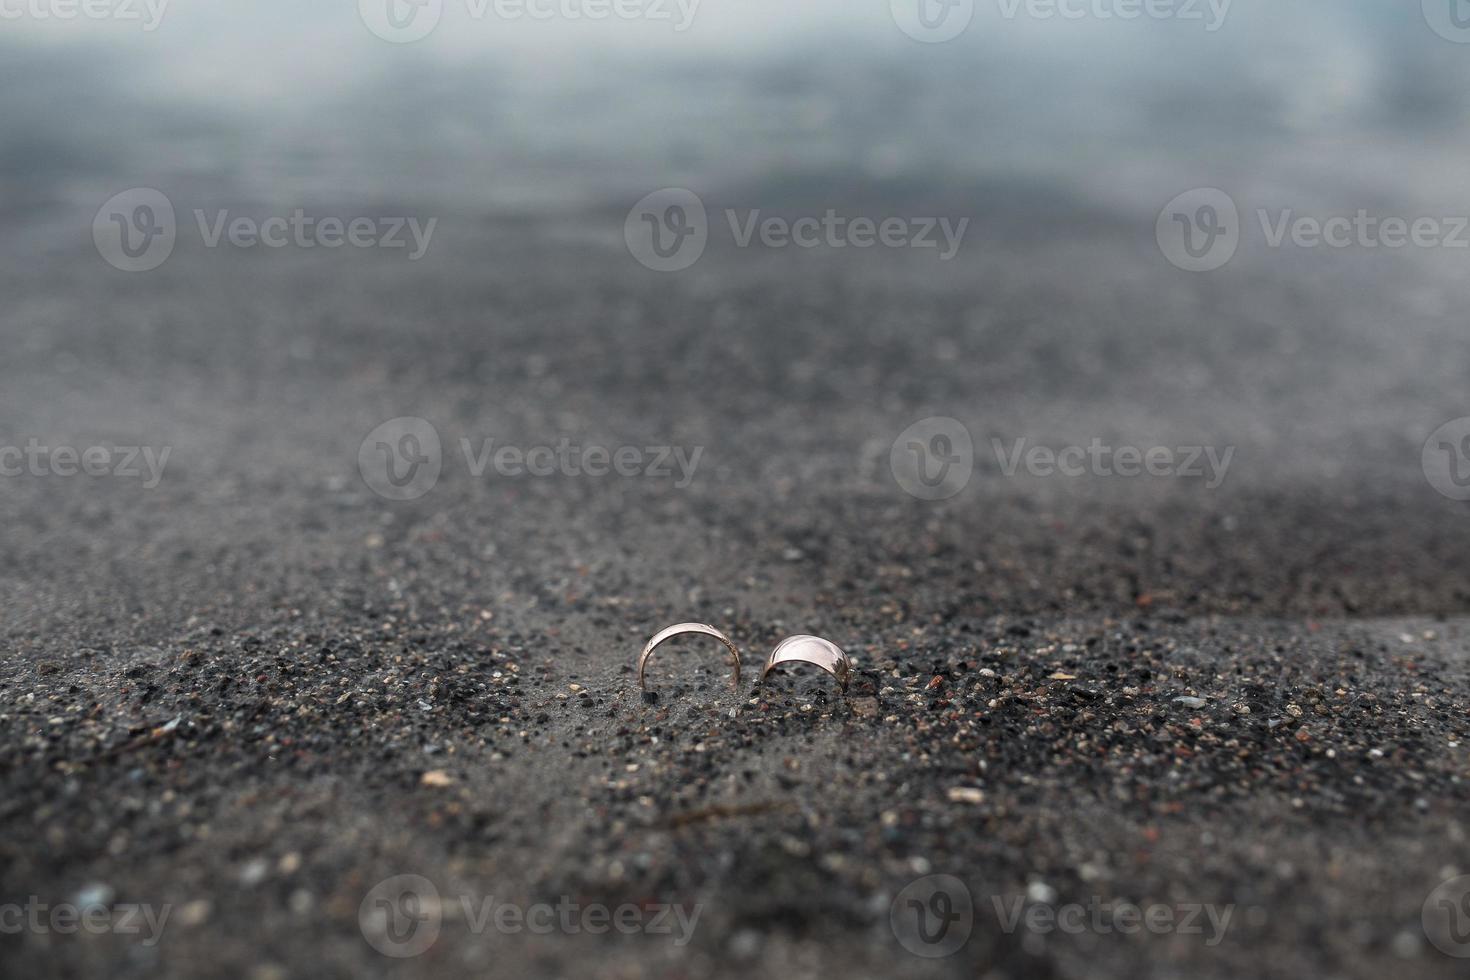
{"x": 96, "y": 893}
{"x": 254, "y": 872}
{"x": 195, "y": 913}
{"x": 966, "y": 794}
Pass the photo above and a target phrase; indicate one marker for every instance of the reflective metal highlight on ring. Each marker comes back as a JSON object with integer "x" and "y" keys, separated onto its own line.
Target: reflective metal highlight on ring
{"x": 679, "y": 629}
{"x": 811, "y": 650}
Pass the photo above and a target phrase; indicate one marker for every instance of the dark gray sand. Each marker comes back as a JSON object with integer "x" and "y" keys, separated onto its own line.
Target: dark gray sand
{"x": 257, "y": 690}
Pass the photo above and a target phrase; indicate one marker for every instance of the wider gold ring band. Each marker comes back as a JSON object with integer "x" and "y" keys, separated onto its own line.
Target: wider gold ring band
{"x": 811, "y": 650}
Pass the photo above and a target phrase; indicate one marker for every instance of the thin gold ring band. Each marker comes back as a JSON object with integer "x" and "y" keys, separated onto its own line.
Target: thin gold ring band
{"x": 680, "y": 629}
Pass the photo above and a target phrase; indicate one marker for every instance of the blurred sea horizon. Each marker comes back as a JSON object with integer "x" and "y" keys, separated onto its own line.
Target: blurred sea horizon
{"x": 1312, "y": 104}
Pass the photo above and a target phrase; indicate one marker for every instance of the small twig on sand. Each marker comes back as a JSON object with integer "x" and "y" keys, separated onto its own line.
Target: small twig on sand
{"x": 156, "y": 735}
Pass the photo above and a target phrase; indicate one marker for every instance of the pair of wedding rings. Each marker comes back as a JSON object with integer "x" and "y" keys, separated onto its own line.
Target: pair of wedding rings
{"x": 794, "y": 649}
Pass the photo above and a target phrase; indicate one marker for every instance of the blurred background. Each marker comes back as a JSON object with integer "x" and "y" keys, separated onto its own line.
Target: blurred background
{"x": 488, "y": 114}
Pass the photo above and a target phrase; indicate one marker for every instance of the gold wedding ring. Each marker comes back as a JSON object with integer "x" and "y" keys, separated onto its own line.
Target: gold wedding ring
{"x": 680, "y": 629}
{"x": 811, "y": 650}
